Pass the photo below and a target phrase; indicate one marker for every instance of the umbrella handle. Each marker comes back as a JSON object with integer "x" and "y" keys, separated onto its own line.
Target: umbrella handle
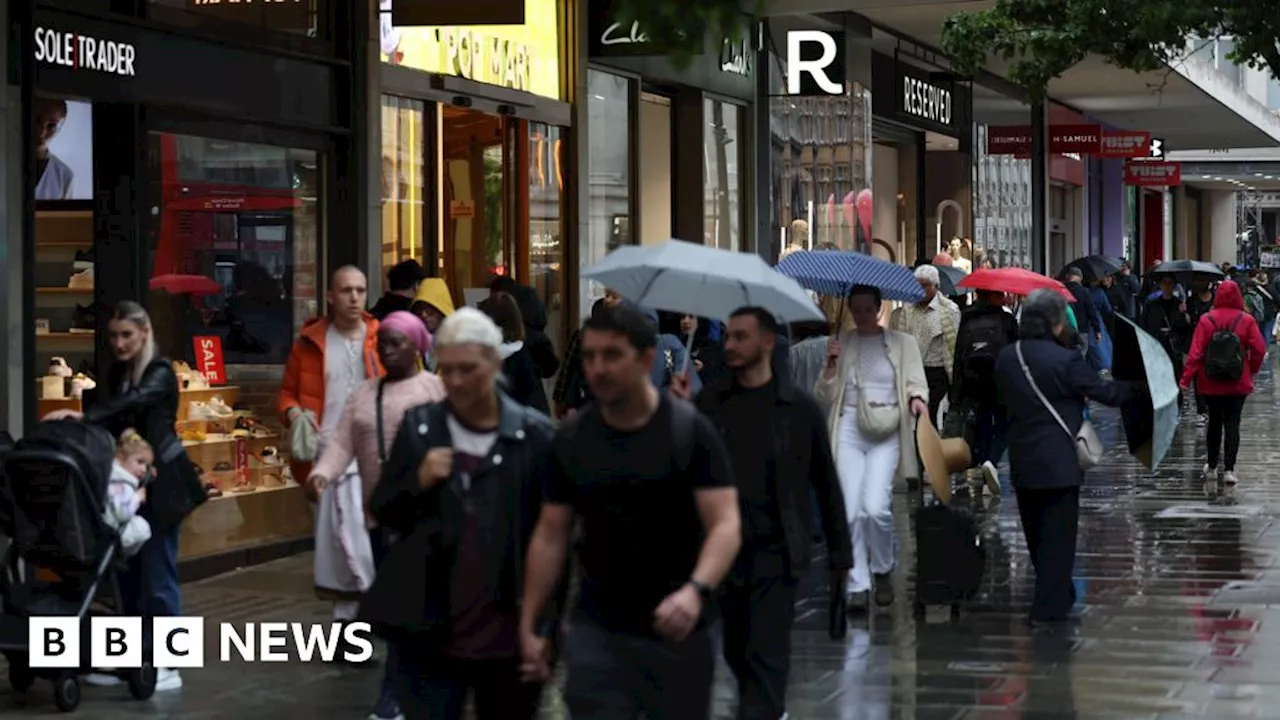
{"x": 688, "y": 352}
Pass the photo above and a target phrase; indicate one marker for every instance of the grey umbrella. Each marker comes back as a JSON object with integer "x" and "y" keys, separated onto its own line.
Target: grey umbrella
{"x": 1150, "y": 421}
{"x": 948, "y": 277}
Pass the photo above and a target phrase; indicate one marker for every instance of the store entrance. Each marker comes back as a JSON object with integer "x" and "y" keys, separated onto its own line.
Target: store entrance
{"x": 474, "y": 173}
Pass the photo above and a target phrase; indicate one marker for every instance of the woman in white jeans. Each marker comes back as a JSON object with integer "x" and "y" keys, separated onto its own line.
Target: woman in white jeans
{"x": 875, "y": 387}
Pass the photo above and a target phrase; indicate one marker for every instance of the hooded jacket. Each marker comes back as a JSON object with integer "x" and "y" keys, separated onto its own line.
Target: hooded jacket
{"x": 1228, "y": 310}
{"x": 434, "y": 291}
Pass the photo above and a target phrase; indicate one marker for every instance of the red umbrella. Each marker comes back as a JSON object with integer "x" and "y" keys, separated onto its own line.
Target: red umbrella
{"x": 1015, "y": 281}
{"x": 186, "y": 284}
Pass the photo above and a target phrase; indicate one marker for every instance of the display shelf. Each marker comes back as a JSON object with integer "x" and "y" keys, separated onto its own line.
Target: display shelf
{"x": 236, "y": 521}
{"x": 64, "y": 291}
{"x": 64, "y": 244}
{"x": 44, "y": 406}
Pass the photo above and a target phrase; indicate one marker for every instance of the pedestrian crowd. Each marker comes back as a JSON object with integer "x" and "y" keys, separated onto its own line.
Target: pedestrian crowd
{"x": 670, "y": 510}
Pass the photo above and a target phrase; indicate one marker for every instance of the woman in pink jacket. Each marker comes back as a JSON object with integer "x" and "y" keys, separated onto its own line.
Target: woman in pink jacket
{"x": 366, "y": 433}
{"x": 1223, "y": 373}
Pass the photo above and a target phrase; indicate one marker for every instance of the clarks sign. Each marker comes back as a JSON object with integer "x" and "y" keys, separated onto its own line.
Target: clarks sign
{"x": 84, "y": 52}
{"x": 618, "y": 39}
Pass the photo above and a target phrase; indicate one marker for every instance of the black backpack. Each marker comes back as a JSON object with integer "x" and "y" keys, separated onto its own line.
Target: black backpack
{"x": 1224, "y": 359}
{"x": 984, "y": 338}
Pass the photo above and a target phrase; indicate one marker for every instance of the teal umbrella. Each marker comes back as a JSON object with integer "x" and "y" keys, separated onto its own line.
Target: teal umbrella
{"x": 1150, "y": 421}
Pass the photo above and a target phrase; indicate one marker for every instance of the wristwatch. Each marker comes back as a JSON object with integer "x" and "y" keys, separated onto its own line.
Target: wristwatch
{"x": 704, "y": 592}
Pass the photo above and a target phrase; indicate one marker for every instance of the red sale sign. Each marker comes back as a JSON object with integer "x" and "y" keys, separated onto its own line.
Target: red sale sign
{"x": 1150, "y": 173}
{"x": 209, "y": 359}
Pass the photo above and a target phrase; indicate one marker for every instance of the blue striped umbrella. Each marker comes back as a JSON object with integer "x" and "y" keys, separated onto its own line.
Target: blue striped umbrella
{"x": 834, "y": 272}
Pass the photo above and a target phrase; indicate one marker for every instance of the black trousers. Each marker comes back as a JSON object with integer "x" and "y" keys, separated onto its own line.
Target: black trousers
{"x": 435, "y": 687}
{"x": 758, "y": 610}
{"x": 618, "y": 676}
{"x": 939, "y": 386}
{"x": 1224, "y": 419}
{"x": 1050, "y": 519}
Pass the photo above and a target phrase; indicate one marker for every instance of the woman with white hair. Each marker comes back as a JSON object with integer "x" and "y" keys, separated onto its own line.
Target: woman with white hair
{"x": 461, "y": 489}
{"x": 141, "y": 392}
{"x": 933, "y": 322}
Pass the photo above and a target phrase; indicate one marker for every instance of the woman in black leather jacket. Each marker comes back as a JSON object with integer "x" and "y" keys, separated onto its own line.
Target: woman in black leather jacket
{"x": 141, "y": 392}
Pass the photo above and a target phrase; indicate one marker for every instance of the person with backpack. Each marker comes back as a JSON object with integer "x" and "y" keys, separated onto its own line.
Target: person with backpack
{"x": 652, "y": 484}
{"x": 1227, "y": 350}
{"x": 985, "y": 328}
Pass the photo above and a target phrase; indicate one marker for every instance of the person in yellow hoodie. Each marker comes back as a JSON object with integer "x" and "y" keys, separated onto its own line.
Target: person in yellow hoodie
{"x": 433, "y": 303}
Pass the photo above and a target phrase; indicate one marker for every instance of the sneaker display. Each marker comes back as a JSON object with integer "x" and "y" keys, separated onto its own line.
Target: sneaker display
{"x": 220, "y": 409}
{"x": 197, "y": 410}
{"x": 84, "y": 319}
{"x": 58, "y": 367}
{"x": 248, "y": 427}
{"x": 79, "y": 383}
{"x": 84, "y": 259}
{"x": 82, "y": 280}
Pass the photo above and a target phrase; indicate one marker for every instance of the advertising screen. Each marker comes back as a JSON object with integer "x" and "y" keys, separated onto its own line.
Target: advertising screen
{"x": 64, "y": 149}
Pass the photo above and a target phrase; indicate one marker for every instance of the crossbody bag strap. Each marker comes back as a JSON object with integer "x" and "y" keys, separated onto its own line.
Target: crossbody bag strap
{"x": 382, "y": 439}
{"x": 1036, "y": 388}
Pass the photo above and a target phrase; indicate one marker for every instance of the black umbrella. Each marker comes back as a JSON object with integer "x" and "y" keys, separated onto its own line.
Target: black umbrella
{"x": 1151, "y": 420}
{"x": 1188, "y": 270}
{"x": 948, "y": 277}
{"x": 1097, "y": 267}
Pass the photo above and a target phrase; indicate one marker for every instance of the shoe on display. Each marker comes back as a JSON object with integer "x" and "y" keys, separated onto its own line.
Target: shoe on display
{"x": 84, "y": 319}
{"x": 249, "y": 427}
{"x": 197, "y": 381}
{"x": 271, "y": 455}
{"x": 168, "y": 679}
{"x": 77, "y": 388}
{"x": 197, "y": 410}
{"x": 220, "y": 408}
{"x": 58, "y": 367}
{"x": 82, "y": 280}
{"x": 84, "y": 259}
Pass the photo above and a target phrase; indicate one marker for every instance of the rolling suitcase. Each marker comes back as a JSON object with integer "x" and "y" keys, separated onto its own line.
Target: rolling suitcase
{"x": 950, "y": 557}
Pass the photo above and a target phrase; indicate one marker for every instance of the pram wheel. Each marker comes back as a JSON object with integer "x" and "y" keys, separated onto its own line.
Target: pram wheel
{"x": 142, "y": 682}
{"x": 66, "y": 693}
{"x": 20, "y": 677}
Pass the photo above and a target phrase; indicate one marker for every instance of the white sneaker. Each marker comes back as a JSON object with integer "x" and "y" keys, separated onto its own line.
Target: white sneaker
{"x": 197, "y": 410}
{"x": 101, "y": 679}
{"x": 220, "y": 409}
{"x": 992, "y": 476}
{"x": 168, "y": 679}
{"x": 1229, "y": 477}
{"x": 1210, "y": 474}
{"x": 82, "y": 280}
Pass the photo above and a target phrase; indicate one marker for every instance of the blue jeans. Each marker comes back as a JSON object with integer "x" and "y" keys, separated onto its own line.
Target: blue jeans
{"x": 149, "y": 586}
{"x": 1268, "y": 328}
{"x": 991, "y": 429}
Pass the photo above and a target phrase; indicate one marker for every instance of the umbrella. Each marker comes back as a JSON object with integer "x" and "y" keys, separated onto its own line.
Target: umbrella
{"x": 1149, "y": 422}
{"x": 1015, "y": 281}
{"x": 835, "y": 272}
{"x": 1187, "y": 270}
{"x": 948, "y": 277}
{"x": 1097, "y": 267}
{"x": 685, "y": 277}
{"x": 186, "y": 284}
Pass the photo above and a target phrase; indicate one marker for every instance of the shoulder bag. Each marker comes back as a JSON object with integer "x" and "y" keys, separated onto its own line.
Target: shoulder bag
{"x": 1088, "y": 445}
{"x": 876, "y": 422}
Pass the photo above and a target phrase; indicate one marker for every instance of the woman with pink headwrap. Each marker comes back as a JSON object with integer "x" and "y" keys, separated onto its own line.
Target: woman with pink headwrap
{"x": 366, "y": 433}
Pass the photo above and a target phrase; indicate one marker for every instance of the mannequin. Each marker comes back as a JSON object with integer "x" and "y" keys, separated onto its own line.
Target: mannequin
{"x": 955, "y": 250}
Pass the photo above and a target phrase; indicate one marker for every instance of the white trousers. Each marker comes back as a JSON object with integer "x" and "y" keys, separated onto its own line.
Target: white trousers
{"x": 866, "y": 471}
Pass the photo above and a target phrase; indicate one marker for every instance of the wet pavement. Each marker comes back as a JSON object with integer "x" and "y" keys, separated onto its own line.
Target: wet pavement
{"x": 1180, "y": 617}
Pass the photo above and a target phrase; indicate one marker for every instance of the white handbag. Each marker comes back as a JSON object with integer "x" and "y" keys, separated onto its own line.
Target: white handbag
{"x": 1088, "y": 445}
{"x": 875, "y": 421}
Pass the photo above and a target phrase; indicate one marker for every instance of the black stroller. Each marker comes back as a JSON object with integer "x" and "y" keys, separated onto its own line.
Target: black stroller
{"x": 64, "y": 558}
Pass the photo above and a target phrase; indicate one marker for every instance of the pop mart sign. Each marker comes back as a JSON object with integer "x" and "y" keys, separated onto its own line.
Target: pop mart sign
{"x": 521, "y": 57}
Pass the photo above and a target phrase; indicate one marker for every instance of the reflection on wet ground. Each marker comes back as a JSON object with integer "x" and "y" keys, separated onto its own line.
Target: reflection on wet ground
{"x": 1179, "y": 593}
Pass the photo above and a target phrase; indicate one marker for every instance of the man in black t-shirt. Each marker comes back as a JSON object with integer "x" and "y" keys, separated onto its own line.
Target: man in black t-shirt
{"x": 652, "y": 483}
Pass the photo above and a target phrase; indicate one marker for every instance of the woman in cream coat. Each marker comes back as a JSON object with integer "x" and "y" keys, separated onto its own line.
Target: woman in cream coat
{"x": 885, "y": 366}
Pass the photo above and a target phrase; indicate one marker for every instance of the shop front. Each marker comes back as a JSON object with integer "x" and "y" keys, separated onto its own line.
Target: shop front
{"x": 922, "y": 171}
{"x": 669, "y": 149}
{"x": 475, "y": 124}
{"x": 200, "y": 178}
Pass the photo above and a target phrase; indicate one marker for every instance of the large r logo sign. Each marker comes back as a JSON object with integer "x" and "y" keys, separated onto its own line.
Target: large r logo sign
{"x": 815, "y": 63}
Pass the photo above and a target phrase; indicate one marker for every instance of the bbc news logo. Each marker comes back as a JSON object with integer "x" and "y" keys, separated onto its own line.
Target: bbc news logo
{"x": 178, "y": 642}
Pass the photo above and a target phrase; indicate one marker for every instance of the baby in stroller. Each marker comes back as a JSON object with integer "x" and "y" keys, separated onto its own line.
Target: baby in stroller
{"x": 126, "y": 490}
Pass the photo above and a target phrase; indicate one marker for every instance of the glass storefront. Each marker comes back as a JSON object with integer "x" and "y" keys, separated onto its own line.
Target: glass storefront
{"x": 1002, "y": 201}
{"x": 724, "y": 154}
{"x": 547, "y": 222}
{"x": 608, "y": 175}
{"x": 404, "y": 180}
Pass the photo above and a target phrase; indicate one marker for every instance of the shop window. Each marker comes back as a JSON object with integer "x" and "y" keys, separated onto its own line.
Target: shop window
{"x": 546, "y": 222}
{"x": 722, "y": 152}
{"x": 403, "y": 181}
{"x": 609, "y": 172}
{"x": 475, "y": 184}
{"x": 233, "y": 243}
{"x": 297, "y": 17}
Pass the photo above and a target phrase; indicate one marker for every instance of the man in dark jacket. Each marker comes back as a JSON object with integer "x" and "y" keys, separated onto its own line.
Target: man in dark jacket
{"x": 534, "y": 313}
{"x": 461, "y": 488}
{"x": 777, "y": 439}
{"x": 1124, "y": 292}
{"x": 985, "y": 329}
{"x": 1088, "y": 321}
{"x": 402, "y": 283}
